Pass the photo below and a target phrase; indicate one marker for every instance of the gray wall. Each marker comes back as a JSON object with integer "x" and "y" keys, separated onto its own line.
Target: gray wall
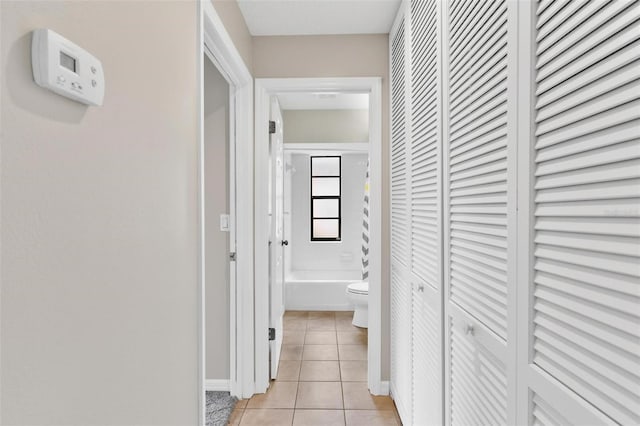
{"x": 338, "y": 56}
{"x": 233, "y": 21}
{"x": 326, "y": 126}
{"x": 99, "y": 243}
{"x": 216, "y": 154}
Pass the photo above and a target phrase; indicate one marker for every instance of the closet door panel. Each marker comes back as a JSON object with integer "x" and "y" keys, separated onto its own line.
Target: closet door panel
{"x": 426, "y": 206}
{"x": 585, "y": 294}
{"x": 426, "y": 118}
{"x": 401, "y": 289}
{"x": 401, "y": 348}
{"x": 477, "y": 162}
{"x": 480, "y": 214}
{"x": 478, "y": 373}
{"x": 400, "y": 220}
{"x": 427, "y": 356}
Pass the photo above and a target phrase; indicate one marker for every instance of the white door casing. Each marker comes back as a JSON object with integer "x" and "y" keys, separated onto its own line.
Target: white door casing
{"x": 217, "y": 45}
{"x": 264, "y": 88}
{"x": 277, "y": 237}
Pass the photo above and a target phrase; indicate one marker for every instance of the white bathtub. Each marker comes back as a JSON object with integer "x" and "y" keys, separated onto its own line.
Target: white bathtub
{"x": 318, "y": 290}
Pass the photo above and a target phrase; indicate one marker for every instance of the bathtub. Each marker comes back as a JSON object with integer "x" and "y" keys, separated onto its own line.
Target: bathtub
{"x": 318, "y": 290}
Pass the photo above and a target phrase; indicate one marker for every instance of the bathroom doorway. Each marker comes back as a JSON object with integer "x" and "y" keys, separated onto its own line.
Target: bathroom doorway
{"x": 319, "y": 315}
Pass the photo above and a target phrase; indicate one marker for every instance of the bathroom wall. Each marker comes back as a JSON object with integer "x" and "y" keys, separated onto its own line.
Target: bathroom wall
{"x": 307, "y": 255}
{"x": 99, "y": 214}
{"x": 322, "y": 126}
{"x": 216, "y": 155}
{"x": 338, "y": 56}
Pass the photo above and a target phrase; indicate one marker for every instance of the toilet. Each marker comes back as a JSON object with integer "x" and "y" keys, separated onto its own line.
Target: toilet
{"x": 358, "y": 294}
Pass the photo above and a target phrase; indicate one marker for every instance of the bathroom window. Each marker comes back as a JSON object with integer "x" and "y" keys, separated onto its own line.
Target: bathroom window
{"x": 326, "y": 222}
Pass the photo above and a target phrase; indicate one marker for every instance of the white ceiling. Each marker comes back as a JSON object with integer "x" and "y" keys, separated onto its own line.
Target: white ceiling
{"x": 307, "y": 17}
{"x": 289, "y": 101}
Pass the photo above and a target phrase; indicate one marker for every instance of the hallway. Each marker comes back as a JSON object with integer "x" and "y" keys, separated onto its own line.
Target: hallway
{"x": 322, "y": 378}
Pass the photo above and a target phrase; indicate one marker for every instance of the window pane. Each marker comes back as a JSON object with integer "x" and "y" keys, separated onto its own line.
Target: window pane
{"x": 325, "y": 186}
{"x": 325, "y": 166}
{"x": 325, "y": 228}
{"x": 326, "y": 208}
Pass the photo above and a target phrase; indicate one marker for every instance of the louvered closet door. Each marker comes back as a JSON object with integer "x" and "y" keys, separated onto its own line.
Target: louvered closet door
{"x": 480, "y": 211}
{"x": 425, "y": 208}
{"x": 400, "y": 227}
{"x": 584, "y": 365}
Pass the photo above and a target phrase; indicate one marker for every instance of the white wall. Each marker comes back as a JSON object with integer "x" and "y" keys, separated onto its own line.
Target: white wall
{"x": 99, "y": 242}
{"x": 344, "y": 255}
{"x": 216, "y": 155}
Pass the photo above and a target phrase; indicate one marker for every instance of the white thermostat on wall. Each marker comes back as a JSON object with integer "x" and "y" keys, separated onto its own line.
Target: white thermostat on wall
{"x": 65, "y": 68}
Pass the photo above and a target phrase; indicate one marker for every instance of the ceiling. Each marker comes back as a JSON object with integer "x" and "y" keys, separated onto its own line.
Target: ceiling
{"x": 313, "y": 17}
{"x": 289, "y": 101}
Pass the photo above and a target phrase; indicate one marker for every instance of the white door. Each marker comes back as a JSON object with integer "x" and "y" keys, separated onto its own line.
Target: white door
{"x": 400, "y": 230}
{"x": 479, "y": 195}
{"x": 277, "y": 239}
{"x": 581, "y": 313}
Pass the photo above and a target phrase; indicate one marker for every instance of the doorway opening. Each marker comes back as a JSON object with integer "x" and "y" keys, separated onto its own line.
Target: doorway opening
{"x": 271, "y": 300}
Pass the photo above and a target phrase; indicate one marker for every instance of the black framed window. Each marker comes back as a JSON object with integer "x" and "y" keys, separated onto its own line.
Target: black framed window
{"x": 326, "y": 203}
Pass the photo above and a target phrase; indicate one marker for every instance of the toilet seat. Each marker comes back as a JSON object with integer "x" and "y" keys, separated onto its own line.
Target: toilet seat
{"x": 359, "y": 287}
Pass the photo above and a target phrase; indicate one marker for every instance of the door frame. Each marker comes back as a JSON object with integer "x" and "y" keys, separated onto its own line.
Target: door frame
{"x": 264, "y": 88}
{"x": 214, "y": 42}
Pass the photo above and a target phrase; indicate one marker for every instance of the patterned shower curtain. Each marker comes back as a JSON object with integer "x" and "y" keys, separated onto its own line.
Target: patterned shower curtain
{"x": 365, "y": 229}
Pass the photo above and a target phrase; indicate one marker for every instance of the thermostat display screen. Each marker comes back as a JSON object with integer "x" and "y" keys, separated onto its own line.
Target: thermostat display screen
{"x": 68, "y": 62}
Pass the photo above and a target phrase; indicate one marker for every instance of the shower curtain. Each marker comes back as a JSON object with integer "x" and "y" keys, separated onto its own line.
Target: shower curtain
{"x": 365, "y": 229}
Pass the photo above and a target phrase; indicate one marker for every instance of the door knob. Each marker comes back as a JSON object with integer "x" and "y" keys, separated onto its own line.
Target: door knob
{"x": 469, "y": 329}
{"x": 285, "y": 242}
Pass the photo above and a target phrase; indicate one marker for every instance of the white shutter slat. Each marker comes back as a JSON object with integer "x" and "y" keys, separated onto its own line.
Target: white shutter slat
{"x": 545, "y": 14}
{"x": 427, "y": 368}
{"x": 555, "y": 76}
{"x": 559, "y": 18}
{"x": 545, "y": 415}
{"x": 621, "y": 133}
{"x": 399, "y": 197}
{"x": 586, "y": 282}
{"x": 465, "y": 34}
{"x": 477, "y": 381}
{"x": 425, "y": 146}
{"x": 568, "y": 24}
{"x": 401, "y": 368}
{"x": 624, "y": 57}
{"x": 565, "y": 48}
{"x": 578, "y": 97}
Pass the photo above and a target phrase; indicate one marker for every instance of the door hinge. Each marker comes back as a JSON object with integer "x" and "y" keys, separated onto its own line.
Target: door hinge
{"x": 233, "y": 256}
{"x": 272, "y": 127}
{"x": 272, "y": 334}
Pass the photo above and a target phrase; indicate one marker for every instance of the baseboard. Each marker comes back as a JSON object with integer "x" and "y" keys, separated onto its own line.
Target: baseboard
{"x": 312, "y": 307}
{"x": 380, "y": 388}
{"x": 217, "y": 385}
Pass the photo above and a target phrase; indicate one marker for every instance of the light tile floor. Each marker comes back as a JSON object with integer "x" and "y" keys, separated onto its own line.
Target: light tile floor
{"x": 322, "y": 378}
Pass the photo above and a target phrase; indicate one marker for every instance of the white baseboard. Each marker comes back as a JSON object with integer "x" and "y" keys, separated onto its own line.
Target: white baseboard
{"x": 380, "y": 388}
{"x": 317, "y": 307}
{"x": 217, "y": 385}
